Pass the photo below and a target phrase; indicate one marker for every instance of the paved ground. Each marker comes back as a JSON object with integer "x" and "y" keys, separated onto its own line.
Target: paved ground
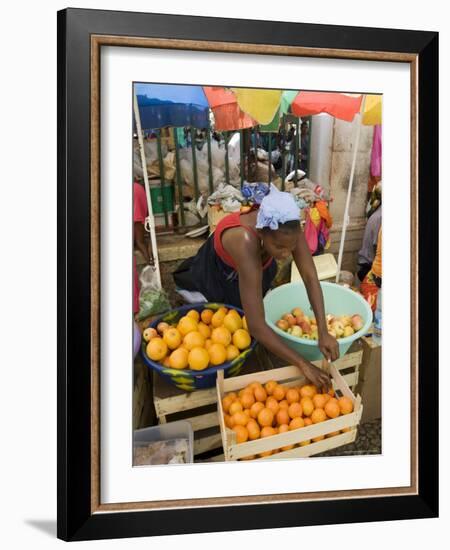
{"x": 368, "y": 441}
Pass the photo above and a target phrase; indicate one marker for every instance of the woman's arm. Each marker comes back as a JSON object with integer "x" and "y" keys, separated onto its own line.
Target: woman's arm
{"x": 305, "y": 265}
{"x": 247, "y": 257}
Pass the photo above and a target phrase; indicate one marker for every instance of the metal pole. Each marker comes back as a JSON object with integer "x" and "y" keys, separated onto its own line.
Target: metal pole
{"x": 241, "y": 144}
{"x": 270, "y": 156}
{"x": 349, "y": 191}
{"x": 194, "y": 166}
{"x": 227, "y": 160}
{"x": 161, "y": 176}
{"x": 150, "y": 221}
{"x": 208, "y": 139}
{"x": 297, "y": 139}
{"x": 179, "y": 183}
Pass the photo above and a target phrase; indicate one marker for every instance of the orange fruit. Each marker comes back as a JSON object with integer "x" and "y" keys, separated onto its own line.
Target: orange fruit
{"x": 332, "y": 434}
{"x": 256, "y": 408}
{"x": 226, "y": 403}
{"x": 232, "y": 394}
{"x": 255, "y": 385}
{"x": 260, "y": 394}
{"x": 166, "y": 361}
{"x": 270, "y": 386}
{"x": 232, "y": 322}
{"x": 295, "y": 410}
{"x": 272, "y": 404}
{"x": 156, "y": 349}
{"x": 241, "y": 433}
{"x": 221, "y": 335}
{"x": 204, "y": 330}
{"x": 198, "y": 359}
{"x": 149, "y": 333}
{"x": 318, "y": 415}
{"x": 240, "y": 418}
{"x": 347, "y": 429}
{"x": 206, "y": 316}
{"x": 283, "y": 417}
{"x": 319, "y": 401}
{"x": 179, "y": 358}
{"x": 345, "y": 405}
{"x": 267, "y": 431}
{"x": 217, "y": 319}
{"x": 186, "y": 325}
{"x": 241, "y": 339}
{"x": 244, "y": 390}
{"x": 306, "y": 442}
{"x": 217, "y": 354}
{"x": 247, "y": 398}
{"x": 265, "y": 453}
{"x": 307, "y": 406}
{"x": 296, "y": 423}
{"x": 292, "y": 396}
{"x": 232, "y": 352}
{"x": 318, "y": 438}
{"x": 235, "y": 407}
{"x": 208, "y": 343}
{"x": 308, "y": 391}
{"x": 172, "y": 338}
{"x": 193, "y": 314}
{"x": 249, "y": 457}
{"x": 265, "y": 417}
{"x": 284, "y": 404}
{"x": 279, "y": 392}
{"x": 247, "y": 412}
{"x": 253, "y": 429}
{"x": 244, "y": 323}
{"x": 229, "y": 422}
{"x": 282, "y": 429}
{"x": 331, "y": 392}
{"x": 193, "y": 340}
{"x": 327, "y": 397}
{"x": 332, "y": 409}
{"x": 307, "y": 421}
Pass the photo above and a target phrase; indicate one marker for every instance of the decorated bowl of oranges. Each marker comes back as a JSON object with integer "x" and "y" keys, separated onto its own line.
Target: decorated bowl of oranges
{"x": 188, "y": 345}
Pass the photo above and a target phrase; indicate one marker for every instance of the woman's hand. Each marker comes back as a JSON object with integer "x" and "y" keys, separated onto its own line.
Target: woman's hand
{"x": 329, "y": 347}
{"x": 316, "y": 376}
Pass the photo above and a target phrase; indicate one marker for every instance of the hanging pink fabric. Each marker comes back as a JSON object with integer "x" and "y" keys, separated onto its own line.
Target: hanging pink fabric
{"x": 311, "y": 235}
{"x": 375, "y": 160}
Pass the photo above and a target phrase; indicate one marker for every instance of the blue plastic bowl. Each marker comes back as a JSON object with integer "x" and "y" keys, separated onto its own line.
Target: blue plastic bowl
{"x": 338, "y": 301}
{"x": 187, "y": 379}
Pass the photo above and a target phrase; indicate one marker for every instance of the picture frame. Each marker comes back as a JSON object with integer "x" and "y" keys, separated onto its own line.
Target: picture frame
{"x": 81, "y": 35}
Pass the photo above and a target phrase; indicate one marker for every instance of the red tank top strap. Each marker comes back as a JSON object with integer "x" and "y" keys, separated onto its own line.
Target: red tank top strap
{"x": 232, "y": 220}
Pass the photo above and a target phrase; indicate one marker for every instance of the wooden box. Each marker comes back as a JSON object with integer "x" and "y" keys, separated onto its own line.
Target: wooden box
{"x": 290, "y": 376}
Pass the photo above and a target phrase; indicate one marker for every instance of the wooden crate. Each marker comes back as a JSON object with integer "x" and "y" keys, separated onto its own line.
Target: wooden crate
{"x": 198, "y": 407}
{"x": 291, "y": 376}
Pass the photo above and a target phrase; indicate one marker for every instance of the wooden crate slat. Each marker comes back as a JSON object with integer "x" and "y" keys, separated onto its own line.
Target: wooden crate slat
{"x": 203, "y": 421}
{"x": 315, "y": 448}
{"x": 185, "y": 402}
{"x": 209, "y": 443}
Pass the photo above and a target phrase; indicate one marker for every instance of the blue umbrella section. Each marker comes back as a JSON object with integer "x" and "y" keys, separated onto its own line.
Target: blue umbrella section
{"x": 162, "y": 105}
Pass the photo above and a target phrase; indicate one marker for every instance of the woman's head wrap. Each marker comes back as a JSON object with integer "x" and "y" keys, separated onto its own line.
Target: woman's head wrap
{"x": 277, "y": 207}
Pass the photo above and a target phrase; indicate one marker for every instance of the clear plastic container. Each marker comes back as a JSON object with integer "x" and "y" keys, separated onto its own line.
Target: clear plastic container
{"x": 180, "y": 429}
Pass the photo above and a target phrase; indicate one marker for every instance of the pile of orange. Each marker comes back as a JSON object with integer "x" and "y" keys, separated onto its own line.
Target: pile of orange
{"x": 259, "y": 411}
{"x": 199, "y": 340}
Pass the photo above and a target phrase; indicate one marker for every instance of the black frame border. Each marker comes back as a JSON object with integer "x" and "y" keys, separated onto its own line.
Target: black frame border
{"x": 75, "y": 521}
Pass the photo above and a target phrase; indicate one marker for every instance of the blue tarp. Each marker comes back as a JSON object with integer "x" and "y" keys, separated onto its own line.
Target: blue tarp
{"x": 162, "y": 105}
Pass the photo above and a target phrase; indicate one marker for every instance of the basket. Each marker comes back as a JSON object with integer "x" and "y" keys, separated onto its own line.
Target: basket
{"x": 338, "y": 301}
{"x": 289, "y": 376}
{"x": 187, "y": 379}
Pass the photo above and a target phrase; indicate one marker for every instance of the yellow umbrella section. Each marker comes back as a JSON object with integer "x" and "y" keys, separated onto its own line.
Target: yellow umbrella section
{"x": 372, "y": 110}
{"x": 261, "y": 105}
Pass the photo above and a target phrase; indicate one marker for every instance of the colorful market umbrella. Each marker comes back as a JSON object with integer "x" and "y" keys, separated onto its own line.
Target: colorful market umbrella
{"x": 338, "y": 105}
{"x": 227, "y": 113}
{"x": 162, "y": 105}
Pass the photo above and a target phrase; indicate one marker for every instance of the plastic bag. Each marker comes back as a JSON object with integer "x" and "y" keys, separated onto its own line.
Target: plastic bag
{"x": 152, "y": 299}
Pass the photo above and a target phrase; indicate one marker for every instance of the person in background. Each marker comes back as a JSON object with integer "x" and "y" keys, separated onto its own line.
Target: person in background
{"x": 304, "y": 147}
{"x": 366, "y": 254}
{"x": 237, "y": 265}
{"x": 372, "y": 281}
{"x": 140, "y": 213}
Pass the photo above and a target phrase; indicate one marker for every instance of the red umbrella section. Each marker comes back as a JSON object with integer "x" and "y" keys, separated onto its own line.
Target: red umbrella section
{"x": 339, "y": 105}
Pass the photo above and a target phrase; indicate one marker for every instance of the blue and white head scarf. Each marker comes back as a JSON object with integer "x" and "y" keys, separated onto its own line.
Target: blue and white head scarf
{"x": 277, "y": 207}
